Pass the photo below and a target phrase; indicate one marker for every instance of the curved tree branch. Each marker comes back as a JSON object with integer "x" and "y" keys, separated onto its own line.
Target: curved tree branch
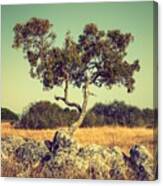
{"x": 70, "y": 104}
{"x": 65, "y": 98}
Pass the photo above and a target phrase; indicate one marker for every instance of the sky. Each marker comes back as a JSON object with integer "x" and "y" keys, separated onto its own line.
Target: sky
{"x": 19, "y": 89}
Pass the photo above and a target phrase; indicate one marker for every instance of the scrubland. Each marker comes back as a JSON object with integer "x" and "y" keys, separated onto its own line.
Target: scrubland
{"x": 123, "y": 137}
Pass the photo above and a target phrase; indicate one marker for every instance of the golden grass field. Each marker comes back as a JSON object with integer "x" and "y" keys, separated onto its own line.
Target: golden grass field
{"x": 109, "y": 136}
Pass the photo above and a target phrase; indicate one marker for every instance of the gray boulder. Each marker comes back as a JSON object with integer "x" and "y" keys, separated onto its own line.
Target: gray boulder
{"x": 142, "y": 163}
{"x": 30, "y": 151}
{"x": 63, "y": 157}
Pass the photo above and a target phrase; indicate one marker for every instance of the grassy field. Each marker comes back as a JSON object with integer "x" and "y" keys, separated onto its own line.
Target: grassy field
{"x": 109, "y": 136}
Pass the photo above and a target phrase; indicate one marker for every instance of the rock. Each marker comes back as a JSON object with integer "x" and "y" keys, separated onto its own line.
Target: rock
{"x": 142, "y": 162}
{"x": 30, "y": 151}
{"x": 9, "y": 144}
{"x": 63, "y": 157}
{"x": 24, "y": 153}
{"x": 62, "y": 141}
{"x": 118, "y": 166}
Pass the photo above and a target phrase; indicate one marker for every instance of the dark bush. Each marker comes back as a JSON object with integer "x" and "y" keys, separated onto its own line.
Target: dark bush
{"x": 44, "y": 114}
{"x": 9, "y": 115}
{"x": 90, "y": 120}
{"x": 119, "y": 113}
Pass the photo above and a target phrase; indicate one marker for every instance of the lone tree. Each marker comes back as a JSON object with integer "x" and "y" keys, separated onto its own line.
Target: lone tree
{"x": 97, "y": 58}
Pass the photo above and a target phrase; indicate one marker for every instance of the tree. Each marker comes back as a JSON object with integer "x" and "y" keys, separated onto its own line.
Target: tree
{"x": 97, "y": 58}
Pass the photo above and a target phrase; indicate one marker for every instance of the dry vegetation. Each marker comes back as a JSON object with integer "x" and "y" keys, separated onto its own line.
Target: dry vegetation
{"x": 109, "y": 136}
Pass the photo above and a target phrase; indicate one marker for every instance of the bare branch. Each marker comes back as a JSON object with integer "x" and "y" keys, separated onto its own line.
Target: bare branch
{"x": 70, "y": 104}
{"x": 65, "y": 98}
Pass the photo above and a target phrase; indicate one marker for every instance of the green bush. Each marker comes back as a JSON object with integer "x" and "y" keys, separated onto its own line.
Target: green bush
{"x": 7, "y": 114}
{"x": 119, "y": 113}
{"x": 44, "y": 114}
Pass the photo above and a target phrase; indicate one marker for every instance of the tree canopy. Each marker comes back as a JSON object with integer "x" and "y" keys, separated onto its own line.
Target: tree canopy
{"x": 97, "y": 55}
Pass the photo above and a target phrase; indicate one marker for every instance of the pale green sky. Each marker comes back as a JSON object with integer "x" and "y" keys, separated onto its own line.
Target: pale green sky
{"x": 18, "y": 89}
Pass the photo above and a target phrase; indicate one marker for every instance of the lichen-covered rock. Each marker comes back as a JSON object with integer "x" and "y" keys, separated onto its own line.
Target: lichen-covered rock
{"x": 118, "y": 166}
{"x": 62, "y": 141}
{"x": 142, "y": 162}
{"x": 10, "y": 144}
{"x": 23, "y": 153}
{"x": 30, "y": 151}
{"x": 63, "y": 157}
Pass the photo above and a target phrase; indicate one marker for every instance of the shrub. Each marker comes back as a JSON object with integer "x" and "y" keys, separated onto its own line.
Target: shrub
{"x": 7, "y": 114}
{"x": 90, "y": 120}
{"x": 44, "y": 114}
{"x": 119, "y": 113}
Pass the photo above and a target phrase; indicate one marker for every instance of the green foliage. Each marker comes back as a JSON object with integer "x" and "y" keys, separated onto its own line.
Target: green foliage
{"x": 97, "y": 55}
{"x": 44, "y": 114}
{"x": 7, "y": 114}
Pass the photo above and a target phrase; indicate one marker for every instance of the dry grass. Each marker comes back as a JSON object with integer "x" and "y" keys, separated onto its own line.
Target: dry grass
{"x": 117, "y": 136}
{"x": 109, "y": 136}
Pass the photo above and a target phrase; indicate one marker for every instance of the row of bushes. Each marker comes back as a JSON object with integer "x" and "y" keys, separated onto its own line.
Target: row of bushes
{"x": 44, "y": 114}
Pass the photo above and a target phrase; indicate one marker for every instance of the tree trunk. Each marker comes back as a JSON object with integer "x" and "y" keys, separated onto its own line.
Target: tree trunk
{"x": 77, "y": 124}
